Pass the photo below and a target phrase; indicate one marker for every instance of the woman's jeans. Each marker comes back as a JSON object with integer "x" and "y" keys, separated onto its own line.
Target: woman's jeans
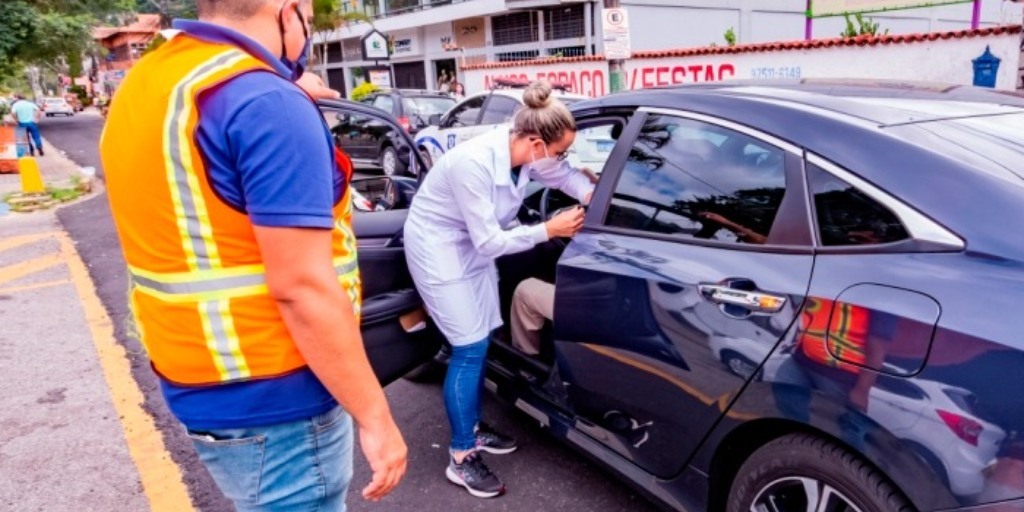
{"x": 300, "y": 465}
{"x": 463, "y": 387}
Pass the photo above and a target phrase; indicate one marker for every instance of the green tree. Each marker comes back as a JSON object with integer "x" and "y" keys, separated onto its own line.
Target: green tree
{"x": 49, "y": 33}
{"x": 327, "y": 17}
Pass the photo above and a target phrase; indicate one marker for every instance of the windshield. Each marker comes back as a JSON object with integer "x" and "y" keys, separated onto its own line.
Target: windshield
{"x": 424, "y": 106}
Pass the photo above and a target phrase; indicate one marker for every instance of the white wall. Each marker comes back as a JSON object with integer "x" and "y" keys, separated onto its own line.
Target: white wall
{"x": 944, "y": 60}
{"x": 665, "y": 24}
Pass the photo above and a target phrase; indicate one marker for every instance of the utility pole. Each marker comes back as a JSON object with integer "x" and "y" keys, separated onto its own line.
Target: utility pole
{"x": 616, "y": 67}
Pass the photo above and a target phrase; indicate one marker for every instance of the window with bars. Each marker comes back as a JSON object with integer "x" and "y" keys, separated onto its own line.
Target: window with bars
{"x": 567, "y": 51}
{"x": 514, "y": 28}
{"x": 517, "y": 56}
{"x": 564, "y": 23}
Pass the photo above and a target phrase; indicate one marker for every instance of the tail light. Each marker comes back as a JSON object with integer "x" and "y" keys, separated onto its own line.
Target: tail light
{"x": 964, "y": 428}
{"x": 404, "y": 123}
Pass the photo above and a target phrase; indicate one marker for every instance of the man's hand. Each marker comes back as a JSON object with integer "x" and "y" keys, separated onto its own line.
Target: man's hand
{"x": 320, "y": 319}
{"x": 314, "y": 86}
{"x": 387, "y": 454}
{"x": 591, "y": 175}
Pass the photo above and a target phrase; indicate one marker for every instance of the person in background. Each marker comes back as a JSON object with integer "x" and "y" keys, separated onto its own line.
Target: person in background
{"x": 458, "y": 91}
{"x": 27, "y": 115}
{"x": 242, "y": 259}
{"x": 463, "y": 219}
{"x": 444, "y": 81}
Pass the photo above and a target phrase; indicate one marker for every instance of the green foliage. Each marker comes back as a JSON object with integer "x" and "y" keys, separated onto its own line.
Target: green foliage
{"x": 363, "y": 91}
{"x": 730, "y": 37}
{"x": 49, "y": 32}
{"x": 863, "y": 26}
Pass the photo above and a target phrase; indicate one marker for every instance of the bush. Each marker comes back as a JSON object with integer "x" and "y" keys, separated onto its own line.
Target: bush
{"x": 363, "y": 91}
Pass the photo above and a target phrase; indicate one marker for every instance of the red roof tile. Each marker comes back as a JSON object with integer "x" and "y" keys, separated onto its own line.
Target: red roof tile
{"x": 144, "y": 23}
{"x": 865, "y": 40}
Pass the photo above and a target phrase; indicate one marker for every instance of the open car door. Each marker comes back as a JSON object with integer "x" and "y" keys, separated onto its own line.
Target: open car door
{"x": 396, "y": 332}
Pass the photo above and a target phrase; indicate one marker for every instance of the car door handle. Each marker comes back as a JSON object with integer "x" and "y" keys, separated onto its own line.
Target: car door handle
{"x": 755, "y": 301}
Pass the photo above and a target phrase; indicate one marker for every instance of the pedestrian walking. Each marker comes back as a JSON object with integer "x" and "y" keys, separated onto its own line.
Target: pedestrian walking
{"x": 27, "y": 115}
{"x": 463, "y": 219}
{"x": 234, "y": 215}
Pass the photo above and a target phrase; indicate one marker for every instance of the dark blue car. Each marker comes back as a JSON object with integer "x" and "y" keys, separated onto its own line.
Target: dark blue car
{"x": 786, "y": 297}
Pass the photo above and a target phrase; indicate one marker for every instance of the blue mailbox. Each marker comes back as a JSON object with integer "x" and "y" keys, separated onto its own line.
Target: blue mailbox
{"x": 986, "y": 67}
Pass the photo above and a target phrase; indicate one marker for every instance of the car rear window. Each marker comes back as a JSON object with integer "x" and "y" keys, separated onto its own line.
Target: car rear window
{"x": 426, "y": 106}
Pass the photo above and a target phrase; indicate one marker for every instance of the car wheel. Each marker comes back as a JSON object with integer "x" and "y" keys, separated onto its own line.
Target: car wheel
{"x": 738, "y": 365}
{"x": 802, "y": 472}
{"x": 390, "y": 162}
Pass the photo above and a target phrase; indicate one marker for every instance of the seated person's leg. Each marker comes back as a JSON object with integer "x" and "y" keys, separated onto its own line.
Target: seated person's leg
{"x": 532, "y": 303}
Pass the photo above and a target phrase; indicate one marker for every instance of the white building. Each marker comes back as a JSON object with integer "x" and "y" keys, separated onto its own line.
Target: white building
{"x": 429, "y": 36}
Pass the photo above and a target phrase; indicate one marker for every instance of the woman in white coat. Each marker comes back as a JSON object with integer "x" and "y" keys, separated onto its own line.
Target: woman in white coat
{"x": 463, "y": 218}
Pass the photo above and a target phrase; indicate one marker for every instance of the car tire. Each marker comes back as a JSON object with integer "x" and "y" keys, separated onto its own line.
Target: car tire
{"x": 738, "y": 364}
{"x": 390, "y": 163}
{"x": 793, "y": 470}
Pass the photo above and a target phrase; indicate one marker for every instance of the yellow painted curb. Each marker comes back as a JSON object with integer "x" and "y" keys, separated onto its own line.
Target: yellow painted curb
{"x": 160, "y": 476}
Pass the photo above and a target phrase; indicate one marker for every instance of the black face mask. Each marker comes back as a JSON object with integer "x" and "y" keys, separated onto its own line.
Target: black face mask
{"x": 298, "y": 66}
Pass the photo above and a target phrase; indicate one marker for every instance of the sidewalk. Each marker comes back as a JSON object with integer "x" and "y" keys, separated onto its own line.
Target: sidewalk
{"x": 72, "y": 432}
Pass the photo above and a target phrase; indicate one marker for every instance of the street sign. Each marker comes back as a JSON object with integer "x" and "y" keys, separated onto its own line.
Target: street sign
{"x": 616, "y": 34}
{"x": 375, "y": 46}
{"x": 822, "y": 8}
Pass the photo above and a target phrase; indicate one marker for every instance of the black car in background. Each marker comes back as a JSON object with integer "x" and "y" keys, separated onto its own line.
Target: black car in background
{"x": 373, "y": 143}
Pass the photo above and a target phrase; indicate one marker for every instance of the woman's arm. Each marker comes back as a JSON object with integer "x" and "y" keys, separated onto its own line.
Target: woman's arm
{"x": 472, "y": 195}
{"x": 572, "y": 181}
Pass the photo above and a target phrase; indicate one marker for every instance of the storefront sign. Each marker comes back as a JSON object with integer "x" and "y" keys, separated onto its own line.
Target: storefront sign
{"x": 375, "y": 46}
{"x": 403, "y": 46}
{"x": 379, "y": 76}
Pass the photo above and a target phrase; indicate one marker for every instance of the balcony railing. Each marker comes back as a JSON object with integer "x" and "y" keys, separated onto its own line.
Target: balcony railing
{"x": 371, "y": 8}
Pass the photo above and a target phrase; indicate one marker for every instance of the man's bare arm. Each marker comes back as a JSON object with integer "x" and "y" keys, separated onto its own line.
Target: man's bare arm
{"x": 318, "y": 313}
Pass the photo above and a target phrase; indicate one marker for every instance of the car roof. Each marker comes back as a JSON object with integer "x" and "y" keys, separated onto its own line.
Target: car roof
{"x": 415, "y": 92}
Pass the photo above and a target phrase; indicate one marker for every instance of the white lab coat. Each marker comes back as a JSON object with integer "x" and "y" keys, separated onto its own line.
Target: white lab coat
{"x": 462, "y": 219}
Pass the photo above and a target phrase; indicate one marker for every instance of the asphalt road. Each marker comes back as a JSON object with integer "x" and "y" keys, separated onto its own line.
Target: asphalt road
{"x": 543, "y": 475}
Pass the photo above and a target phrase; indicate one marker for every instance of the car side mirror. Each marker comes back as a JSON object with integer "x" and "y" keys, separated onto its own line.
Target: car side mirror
{"x": 380, "y": 193}
{"x": 434, "y": 120}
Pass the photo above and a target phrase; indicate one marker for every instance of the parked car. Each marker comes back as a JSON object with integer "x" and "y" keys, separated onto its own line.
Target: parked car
{"x": 74, "y": 101}
{"x": 848, "y": 238}
{"x": 484, "y": 111}
{"x": 54, "y": 105}
{"x": 372, "y": 143}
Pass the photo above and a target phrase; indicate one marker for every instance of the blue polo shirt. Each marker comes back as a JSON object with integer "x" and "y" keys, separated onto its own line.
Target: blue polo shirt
{"x": 268, "y": 154}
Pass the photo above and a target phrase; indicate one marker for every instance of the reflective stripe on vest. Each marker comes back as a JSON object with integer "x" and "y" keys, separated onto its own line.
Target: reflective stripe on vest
{"x": 199, "y": 291}
{"x": 215, "y": 285}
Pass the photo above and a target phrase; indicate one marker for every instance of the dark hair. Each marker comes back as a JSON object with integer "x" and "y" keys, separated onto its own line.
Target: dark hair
{"x": 544, "y": 116}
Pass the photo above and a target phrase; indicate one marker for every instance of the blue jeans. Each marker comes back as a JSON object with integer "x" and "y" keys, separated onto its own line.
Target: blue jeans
{"x": 33, "y": 131}
{"x": 301, "y": 465}
{"x": 463, "y": 387}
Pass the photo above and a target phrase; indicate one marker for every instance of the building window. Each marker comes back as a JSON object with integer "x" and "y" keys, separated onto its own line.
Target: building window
{"x": 567, "y": 51}
{"x": 564, "y": 23}
{"x": 401, "y": 5}
{"x": 517, "y": 56}
{"x": 514, "y": 28}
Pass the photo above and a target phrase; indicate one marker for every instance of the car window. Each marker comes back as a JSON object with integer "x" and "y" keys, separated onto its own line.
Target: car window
{"x": 500, "y": 110}
{"x": 385, "y": 103}
{"x": 465, "y": 113}
{"x": 374, "y": 143}
{"x": 847, "y": 216}
{"x": 699, "y": 180}
{"x": 594, "y": 144}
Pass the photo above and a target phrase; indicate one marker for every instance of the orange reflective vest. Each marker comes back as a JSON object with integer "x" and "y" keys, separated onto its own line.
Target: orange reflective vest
{"x": 199, "y": 293}
{"x": 834, "y": 334}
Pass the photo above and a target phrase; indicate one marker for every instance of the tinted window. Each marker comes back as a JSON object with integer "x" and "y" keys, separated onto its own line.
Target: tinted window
{"x": 422, "y": 107}
{"x": 695, "y": 179}
{"x": 500, "y": 110}
{"x": 466, "y": 113}
{"x": 385, "y": 103}
{"x": 847, "y": 216}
